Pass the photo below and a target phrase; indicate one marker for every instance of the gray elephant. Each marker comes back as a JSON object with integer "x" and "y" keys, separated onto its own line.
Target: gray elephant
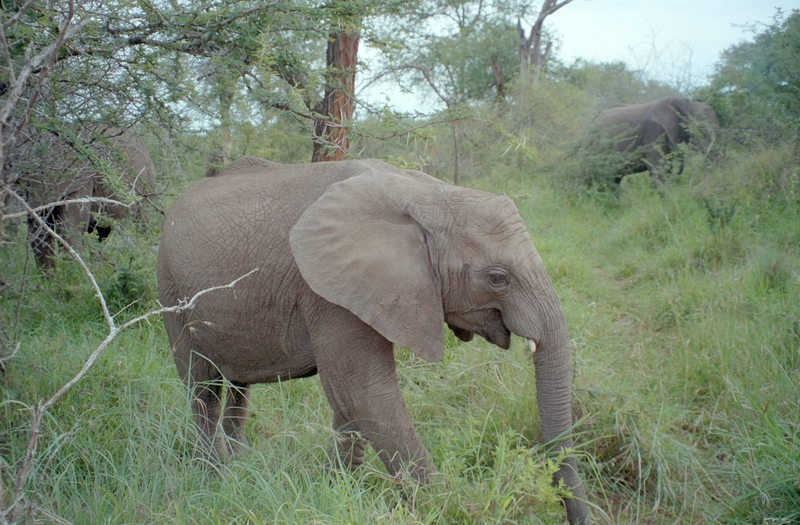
{"x": 352, "y": 257}
{"x": 59, "y": 173}
{"x": 648, "y": 133}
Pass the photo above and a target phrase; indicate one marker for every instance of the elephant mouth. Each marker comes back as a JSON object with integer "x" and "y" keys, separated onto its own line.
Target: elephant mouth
{"x": 486, "y": 323}
{"x": 498, "y": 333}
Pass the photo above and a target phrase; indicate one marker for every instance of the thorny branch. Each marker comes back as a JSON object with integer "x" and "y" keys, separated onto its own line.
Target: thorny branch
{"x": 429, "y": 79}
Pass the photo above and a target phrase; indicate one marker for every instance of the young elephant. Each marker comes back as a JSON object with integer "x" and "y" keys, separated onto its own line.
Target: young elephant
{"x": 352, "y": 257}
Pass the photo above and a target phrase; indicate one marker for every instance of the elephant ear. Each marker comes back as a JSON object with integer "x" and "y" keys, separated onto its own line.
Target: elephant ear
{"x": 360, "y": 247}
{"x": 652, "y": 129}
{"x": 673, "y": 116}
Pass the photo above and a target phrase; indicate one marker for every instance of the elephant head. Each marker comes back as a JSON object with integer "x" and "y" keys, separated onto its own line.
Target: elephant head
{"x": 680, "y": 119}
{"x": 480, "y": 272}
{"x": 701, "y": 124}
{"x": 367, "y": 256}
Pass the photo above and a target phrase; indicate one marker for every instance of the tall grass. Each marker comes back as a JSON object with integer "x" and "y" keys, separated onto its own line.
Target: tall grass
{"x": 684, "y": 316}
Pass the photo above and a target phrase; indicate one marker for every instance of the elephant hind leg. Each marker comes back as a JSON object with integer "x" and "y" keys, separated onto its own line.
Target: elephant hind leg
{"x": 234, "y": 418}
{"x": 206, "y": 410}
{"x": 205, "y": 384}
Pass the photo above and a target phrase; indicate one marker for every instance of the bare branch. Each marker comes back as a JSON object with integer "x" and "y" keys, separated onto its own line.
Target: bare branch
{"x": 427, "y": 76}
{"x": 408, "y": 131}
{"x": 65, "y": 202}
{"x": 3, "y": 361}
{"x": 14, "y": 19}
{"x": 116, "y": 330}
{"x": 39, "y": 63}
{"x": 44, "y": 60}
{"x": 550, "y": 7}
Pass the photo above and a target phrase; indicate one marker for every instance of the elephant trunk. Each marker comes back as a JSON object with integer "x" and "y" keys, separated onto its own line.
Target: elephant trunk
{"x": 551, "y": 360}
{"x": 554, "y": 397}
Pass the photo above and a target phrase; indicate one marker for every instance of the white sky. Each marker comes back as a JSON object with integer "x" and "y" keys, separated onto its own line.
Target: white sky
{"x": 678, "y": 41}
{"x": 666, "y": 38}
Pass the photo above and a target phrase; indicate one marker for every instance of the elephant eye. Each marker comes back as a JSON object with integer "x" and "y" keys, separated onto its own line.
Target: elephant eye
{"x": 498, "y": 279}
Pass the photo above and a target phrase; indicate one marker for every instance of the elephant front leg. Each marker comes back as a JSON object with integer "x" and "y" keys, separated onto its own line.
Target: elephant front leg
{"x": 357, "y": 370}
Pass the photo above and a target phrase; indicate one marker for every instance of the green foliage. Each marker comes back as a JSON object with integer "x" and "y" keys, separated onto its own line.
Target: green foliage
{"x": 474, "y": 64}
{"x": 592, "y": 164}
{"x": 609, "y": 83}
{"x": 756, "y": 88}
{"x": 684, "y": 319}
{"x": 457, "y": 52}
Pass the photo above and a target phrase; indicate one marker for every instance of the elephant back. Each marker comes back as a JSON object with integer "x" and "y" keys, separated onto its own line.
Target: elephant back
{"x": 248, "y": 163}
{"x": 138, "y": 168}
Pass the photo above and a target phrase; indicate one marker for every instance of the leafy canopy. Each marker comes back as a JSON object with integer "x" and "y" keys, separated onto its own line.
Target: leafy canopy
{"x": 757, "y": 83}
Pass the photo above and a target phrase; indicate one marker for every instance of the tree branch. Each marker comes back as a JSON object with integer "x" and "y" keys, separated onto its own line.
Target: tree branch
{"x": 65, "y": 202}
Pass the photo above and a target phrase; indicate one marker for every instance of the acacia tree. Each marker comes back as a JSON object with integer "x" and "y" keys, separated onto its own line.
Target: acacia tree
{"x": 68, "y": 65}
{"x": 460, "y": 52}
{"x": 756, "y": 86}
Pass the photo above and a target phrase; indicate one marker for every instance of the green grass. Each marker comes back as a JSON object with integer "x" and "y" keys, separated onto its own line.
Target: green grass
{"x": 684, "y": 312}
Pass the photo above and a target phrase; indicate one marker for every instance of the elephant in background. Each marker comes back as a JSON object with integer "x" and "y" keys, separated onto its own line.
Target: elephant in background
{"x": 647, "y": 133}
{"x": 52, "y": 170}
{"x": 353, "y": 257}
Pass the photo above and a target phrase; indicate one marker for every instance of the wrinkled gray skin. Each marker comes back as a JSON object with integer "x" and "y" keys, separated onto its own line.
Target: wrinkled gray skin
{"x": 78, "y": 178}
{"x": 353, "y": 257}
{"x": 652, "y": 131}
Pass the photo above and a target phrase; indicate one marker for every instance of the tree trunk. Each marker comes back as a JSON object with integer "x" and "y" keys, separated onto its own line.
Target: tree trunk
{"x": 223, "y": 143}
{"x": 524, "y": 50}
{"x": 330, "y": 131}
{"x": 456, "y": 166}
{"x": 530, "y": 47}
{"x": 499, "y": 81}
{"x": 542, "y": 61}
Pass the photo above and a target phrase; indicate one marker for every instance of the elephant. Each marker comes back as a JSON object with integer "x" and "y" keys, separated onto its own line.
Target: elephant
{"x": 352, "y": 257}
{"x": 647, "y": 133}
{"x": 60, "y": 173}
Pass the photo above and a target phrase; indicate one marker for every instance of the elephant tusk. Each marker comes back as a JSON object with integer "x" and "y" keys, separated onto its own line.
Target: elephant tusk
{"x": 532, "y": 345}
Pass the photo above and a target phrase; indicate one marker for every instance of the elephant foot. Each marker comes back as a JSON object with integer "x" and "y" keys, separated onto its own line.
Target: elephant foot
{"x": 235, "y": 447}
{"x": 208, "y": 451}
{"x": 348, "y": 449}
{"x": 422, "y": 472}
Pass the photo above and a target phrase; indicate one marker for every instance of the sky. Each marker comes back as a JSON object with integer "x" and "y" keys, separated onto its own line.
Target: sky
{"x": 671, "y": 39}
{"x": 678, "y": 41}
